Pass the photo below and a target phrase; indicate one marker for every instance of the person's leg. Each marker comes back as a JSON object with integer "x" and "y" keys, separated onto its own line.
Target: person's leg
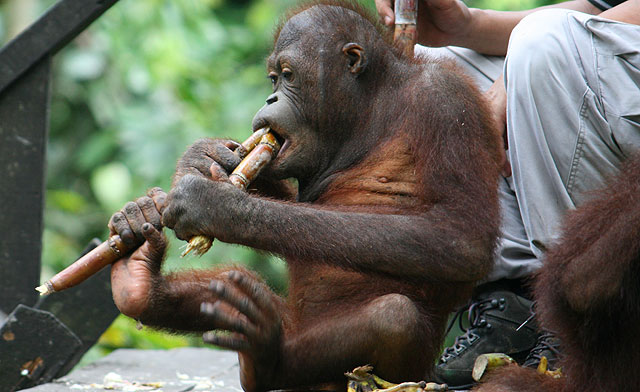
{"x": 573, "y": 116}
{"x": 560, "y": 146}
{"x": 563, "y": 148}
{"x": 498, "y": 306}
{"x": 572, "y": 91}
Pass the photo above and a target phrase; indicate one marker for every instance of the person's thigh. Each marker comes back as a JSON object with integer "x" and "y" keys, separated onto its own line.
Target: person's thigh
{"x": 567, "y": 89}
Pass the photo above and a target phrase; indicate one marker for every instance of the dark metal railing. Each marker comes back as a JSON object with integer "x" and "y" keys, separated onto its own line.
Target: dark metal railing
{"x": 40, "y": 338}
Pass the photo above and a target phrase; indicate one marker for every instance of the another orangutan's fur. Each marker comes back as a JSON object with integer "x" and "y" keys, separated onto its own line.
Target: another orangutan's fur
{"x": 588, "y": 293}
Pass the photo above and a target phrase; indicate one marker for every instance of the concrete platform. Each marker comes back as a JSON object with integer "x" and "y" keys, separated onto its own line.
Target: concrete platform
{"x": 177, "y": 370}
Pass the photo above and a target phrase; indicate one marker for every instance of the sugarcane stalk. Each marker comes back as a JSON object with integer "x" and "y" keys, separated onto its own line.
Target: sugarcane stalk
{"x": 260, "y": 155}
{"x": 87, "y": 265}
{"x": 114, "y": 248}
{"x": 405, "y": 33}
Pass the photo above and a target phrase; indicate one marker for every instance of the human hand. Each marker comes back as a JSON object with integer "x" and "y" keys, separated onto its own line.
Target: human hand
{"x": 385, "y": 11}
{"x": 496, "y": 95}
{"x": 440, "y": 22}
{"x": 135, "y": 277}
{"x": 206, "y": 155}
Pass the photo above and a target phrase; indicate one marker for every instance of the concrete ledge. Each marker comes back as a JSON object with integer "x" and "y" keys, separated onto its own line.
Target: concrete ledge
{"x": 177, "y": 370}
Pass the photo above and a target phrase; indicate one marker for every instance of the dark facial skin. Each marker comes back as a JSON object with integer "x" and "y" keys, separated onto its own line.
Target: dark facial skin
{"x": 287, "y": 112}
{"x": 394, "y": 221}
{"x": 314, "y": 108}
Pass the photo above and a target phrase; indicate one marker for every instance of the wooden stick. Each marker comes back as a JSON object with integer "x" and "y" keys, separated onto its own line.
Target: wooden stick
{"x": 260, "y": 148}
{"x": 405, "y": 33}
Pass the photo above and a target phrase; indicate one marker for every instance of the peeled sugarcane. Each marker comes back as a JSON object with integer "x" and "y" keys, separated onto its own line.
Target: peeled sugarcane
{"x": 258, "y": 150}
{"x": 262, "y": 151}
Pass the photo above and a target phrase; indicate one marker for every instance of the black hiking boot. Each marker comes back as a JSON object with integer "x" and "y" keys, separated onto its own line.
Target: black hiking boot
{"x": 547, "y": 346}
{"x": 500, "y": 321}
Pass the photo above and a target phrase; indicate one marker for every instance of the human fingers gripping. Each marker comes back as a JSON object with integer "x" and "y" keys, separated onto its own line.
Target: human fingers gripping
{"x": 385, "y": 10}
{"x": 439, "y": 4}
{"x": 452, "y": 18}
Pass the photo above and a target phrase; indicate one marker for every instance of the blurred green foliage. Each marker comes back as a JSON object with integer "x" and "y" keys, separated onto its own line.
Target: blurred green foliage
{"x": 129, "y": 95}
{"x": 132, "y": 92}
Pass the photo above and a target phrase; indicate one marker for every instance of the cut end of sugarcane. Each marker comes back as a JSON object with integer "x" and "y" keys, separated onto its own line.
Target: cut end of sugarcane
{"x": 198, "y": 246}
{"x": 487, "y": 362}
{"x": 45, "y": 289}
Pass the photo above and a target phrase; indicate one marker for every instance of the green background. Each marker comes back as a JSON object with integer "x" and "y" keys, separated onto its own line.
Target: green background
{"x": 129, "y": 95}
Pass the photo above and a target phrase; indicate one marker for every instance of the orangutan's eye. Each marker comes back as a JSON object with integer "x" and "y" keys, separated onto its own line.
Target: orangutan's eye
{"x": 287, "y": 74}
{"x": 274, "y": 78}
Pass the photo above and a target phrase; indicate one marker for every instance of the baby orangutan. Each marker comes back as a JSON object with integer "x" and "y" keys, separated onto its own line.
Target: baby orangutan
{"x": 394, "y": 219}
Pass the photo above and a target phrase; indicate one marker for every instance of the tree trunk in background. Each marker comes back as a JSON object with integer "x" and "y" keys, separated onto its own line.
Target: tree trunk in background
{"x": 18, "y": 15}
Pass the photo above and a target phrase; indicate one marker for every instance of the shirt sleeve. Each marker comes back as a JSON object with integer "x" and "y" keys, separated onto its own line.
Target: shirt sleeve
{"x": 606, "y": 4}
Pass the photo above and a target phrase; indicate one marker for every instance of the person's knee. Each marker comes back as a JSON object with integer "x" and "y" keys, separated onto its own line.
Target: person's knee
{"x": 538, "y": 43}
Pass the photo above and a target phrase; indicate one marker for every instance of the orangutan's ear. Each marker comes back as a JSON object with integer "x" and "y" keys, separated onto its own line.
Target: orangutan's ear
{"x": 357, "y": 58}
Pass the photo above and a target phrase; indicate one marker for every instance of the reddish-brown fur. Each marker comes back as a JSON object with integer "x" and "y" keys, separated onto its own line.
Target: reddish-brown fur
{"x": 385, "y": 237}
{"x": 588, "y": 292}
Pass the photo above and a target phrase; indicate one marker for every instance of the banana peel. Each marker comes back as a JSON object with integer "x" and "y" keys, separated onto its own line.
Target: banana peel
{"x": 362, "y": 380}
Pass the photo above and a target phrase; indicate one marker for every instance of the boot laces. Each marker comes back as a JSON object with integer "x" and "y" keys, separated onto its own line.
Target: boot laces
{"x": 546, "y": 342}
{"x": 476, "y": 321}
